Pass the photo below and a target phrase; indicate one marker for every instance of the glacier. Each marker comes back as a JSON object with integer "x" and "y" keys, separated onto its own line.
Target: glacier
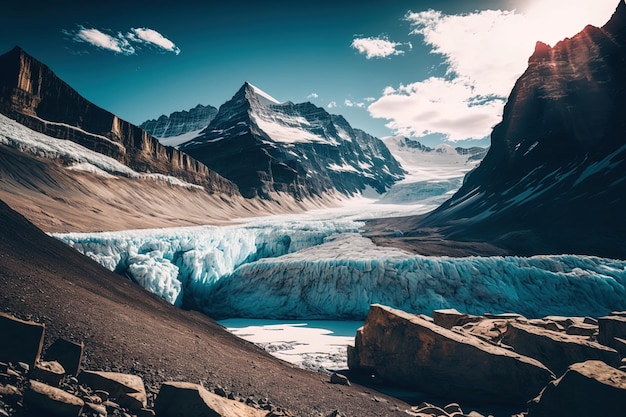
{"x": 326, "y": 270}
{"x": 182, "y": 265}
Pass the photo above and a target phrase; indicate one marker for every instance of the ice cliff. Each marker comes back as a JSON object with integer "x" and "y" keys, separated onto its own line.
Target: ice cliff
{"x": 325, "y": 270}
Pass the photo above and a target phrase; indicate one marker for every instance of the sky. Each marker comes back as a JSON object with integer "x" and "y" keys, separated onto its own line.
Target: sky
{"x": 434, "y": 70}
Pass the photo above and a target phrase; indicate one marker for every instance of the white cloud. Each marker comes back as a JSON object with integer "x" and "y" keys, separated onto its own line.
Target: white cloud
{"x": 102, "y": 40}
{"x": 312, "y": 95}
{"x": 152, "y": 37}
{"x": 485, "y": 52}
{"x": 377, "y": 47}
{"x": 351, "y": 103}
{"x": 120, "y": 43}
{"x": 332, "y": 105}
{"x": 437, "y": 106}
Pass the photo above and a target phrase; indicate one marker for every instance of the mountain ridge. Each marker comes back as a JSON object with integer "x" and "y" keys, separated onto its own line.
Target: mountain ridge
{"x": 34, "y": 96}
{"x": 269, "y": 147}
{"x": 179, "y": 123}
{"x": 553, "y": 178}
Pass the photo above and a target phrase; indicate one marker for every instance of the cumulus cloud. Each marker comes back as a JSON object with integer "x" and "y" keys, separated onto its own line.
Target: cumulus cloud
{"x": 438, "y": 106}
{"x": 378, "y": 47}
{"x": 120, "y": 43}
{"x": 332, "y": 105}
{"x": 312, "y": 95}
{"x": 152, "y": 37}
{"x": 484, "y": 52}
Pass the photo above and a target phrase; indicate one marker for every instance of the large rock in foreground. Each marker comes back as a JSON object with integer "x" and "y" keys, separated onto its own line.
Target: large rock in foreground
{"x": 588, "y": 389}
{"x": 20, "y": 341}
{"x": 184, "y": 399}
{"x": 554, "y": 349}
{"x": 128, "y": 389}
{"x": 408, "y": 350}
{"x": 52, "y": 401}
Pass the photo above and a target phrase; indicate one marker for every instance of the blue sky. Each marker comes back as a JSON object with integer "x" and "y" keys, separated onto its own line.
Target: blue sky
{"x": 431, "y": 69}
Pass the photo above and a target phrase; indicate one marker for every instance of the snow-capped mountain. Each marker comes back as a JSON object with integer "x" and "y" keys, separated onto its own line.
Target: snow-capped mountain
{"x": 433, "y": 174}
{"x": 268, "y": 147}
{"x": 180, "y": 126}
{"x": 554, "y": 179}
{"x": 419, "y": 159}
{"x": 32, "y": 95}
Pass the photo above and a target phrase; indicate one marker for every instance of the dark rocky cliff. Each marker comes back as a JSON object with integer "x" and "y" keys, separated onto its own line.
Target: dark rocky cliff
{"x": 34, "y": 96}
{"x": 554, "y": 179}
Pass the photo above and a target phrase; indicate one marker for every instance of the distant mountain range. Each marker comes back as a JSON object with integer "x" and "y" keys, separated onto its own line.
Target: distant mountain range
{"x": 269, "y": 148}
{"x": 554, "y": 179}
{"x": 180, "y": 126}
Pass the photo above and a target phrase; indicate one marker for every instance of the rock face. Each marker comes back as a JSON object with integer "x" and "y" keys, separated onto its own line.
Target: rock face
{"x": 612, "y": 332}
{"x": 407, "y": 350}
{"x": 34, "y": 96}
{"x": 556, "y": 350}
{"x": 587, "y": 389}
{"x": 267, "y": 147}
{"x": 183, "y": 399}
{"x": 555, "y": 169}
{"x": 20, "y": 341}
{"x": 180, "y": 122}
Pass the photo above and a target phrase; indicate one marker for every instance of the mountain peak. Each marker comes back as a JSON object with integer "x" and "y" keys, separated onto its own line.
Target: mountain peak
{"x": 264, "y": 98}
{"x": 542, "y": 52}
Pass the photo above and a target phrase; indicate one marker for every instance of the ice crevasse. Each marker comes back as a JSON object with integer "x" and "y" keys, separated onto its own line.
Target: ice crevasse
{"x": 326, "y": 270}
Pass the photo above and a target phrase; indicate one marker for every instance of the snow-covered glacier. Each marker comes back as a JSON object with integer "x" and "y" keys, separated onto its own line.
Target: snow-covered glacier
{"x": 326, "y": 270}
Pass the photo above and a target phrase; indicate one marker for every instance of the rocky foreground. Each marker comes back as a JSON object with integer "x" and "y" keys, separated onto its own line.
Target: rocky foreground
{"x": 490, "y": 359}
{"x": 555, "y": 366}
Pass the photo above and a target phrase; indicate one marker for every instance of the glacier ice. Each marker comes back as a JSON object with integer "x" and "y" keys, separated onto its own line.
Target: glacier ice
{"x": 325, "y": 270}
{"x": 182, "y": 265}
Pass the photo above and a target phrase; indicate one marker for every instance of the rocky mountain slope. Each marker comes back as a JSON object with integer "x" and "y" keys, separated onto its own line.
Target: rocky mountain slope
{"x": 34, "y": 96}
{"x": 267, "y": 147}
{"x": 553, "y": 179}
{"x": 126, "y": 329}
{"x": 180, "y": 126}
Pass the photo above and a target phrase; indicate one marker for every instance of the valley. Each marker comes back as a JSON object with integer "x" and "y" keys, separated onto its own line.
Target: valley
{"x": 271, "y": 250}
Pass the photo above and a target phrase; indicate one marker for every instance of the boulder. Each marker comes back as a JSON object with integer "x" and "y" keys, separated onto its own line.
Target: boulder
{"x": 448, "y": 318}
{"x": 20, "y": 340}
{"x": 129, "y": 390}
{"x": 547, "y": 324}
{"x": 582, "y": 329}
{"x": 49, "y": 372}
{"x": 489, "y": 330}
{"x": 556, "y": 350}
{"x": 587, "y": 389}
{"x": 611, "y": 327}
{"x": 340, "y": 379}
{"x": 52, "y": 401}
{"x": 413, "y": 352}
{"x": 184, "y": 399}
{"x": 563, "y": 321}
{"x": 68, "y": 354}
